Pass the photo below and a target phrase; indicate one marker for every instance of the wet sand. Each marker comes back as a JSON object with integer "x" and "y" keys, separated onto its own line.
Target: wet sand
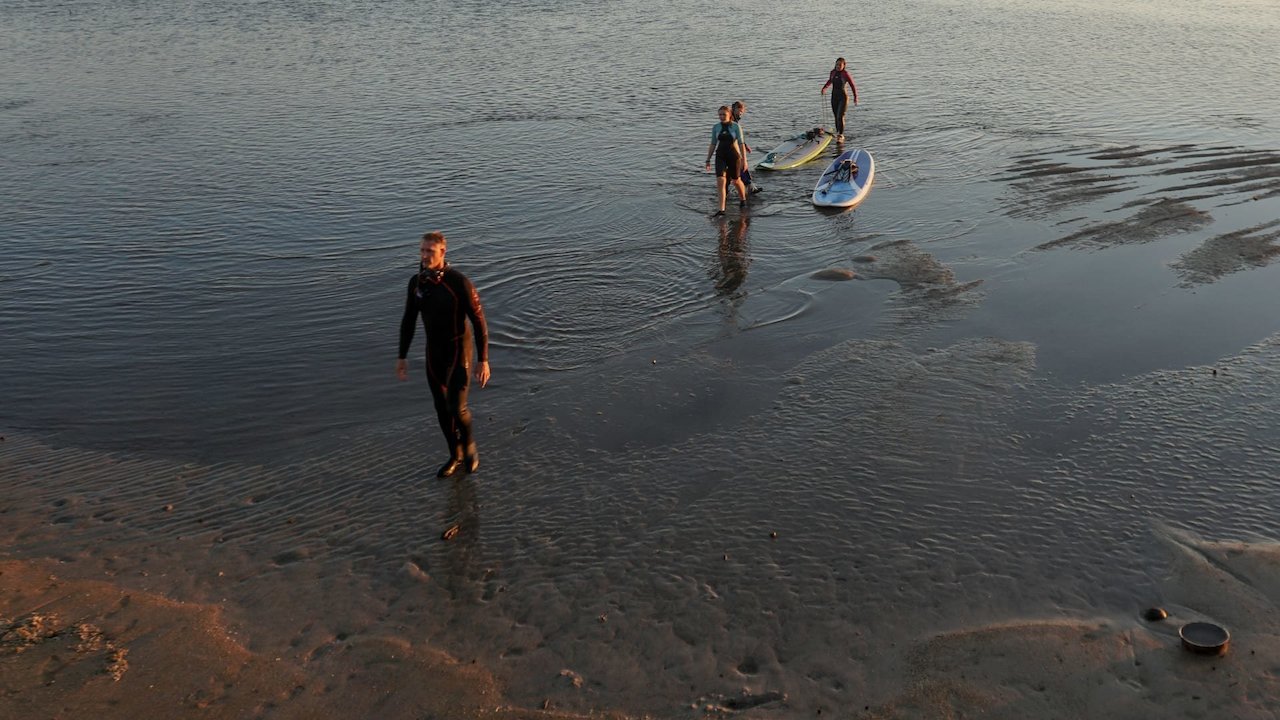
{"x": 79, "y": 648}
{"x": 1116, "y": 666}
{"x": 88, "y": 648}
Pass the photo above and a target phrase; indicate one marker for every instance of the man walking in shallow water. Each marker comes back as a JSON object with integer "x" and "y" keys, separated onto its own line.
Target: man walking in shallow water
{"x": 447, "y": 301}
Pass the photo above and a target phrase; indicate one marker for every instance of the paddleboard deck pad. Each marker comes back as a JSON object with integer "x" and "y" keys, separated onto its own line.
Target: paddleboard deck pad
{"x": 846, "y": 181}
{"x": 796, "y": 151}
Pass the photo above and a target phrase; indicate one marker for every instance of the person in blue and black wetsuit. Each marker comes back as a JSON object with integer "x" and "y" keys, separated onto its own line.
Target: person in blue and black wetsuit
{"x": 738, "y": 109}
{"x": 731, "y": 157}
{"x": 839, "y": 101}
{"x": 447, "y": 301}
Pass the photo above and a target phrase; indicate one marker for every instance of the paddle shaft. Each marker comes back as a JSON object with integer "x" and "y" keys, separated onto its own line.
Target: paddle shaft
{"x": 789, "y": 152}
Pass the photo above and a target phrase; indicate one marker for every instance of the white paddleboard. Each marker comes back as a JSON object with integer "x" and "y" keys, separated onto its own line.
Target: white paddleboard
{"x": 846, "y": 181}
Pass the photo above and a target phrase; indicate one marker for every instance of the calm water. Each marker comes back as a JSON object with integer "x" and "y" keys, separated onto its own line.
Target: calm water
{"x": 211, "y": 208}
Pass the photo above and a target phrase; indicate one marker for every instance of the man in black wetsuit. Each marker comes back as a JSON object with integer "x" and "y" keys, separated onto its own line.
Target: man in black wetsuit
{"x": 446, "y": 299}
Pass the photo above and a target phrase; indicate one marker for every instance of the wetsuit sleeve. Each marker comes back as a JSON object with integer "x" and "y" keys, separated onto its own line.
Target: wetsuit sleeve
{"x": 715, "y": 133}
{"x": 849, "y": 79}
{"x": 475, "y": 311}
{"x": 830, "y": 79}
{"x": 410, "y": 319}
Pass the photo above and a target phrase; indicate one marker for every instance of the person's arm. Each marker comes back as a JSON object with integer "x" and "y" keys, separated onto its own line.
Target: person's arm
{"x": 830, "y": 78}
{"x": 407, "y": 323}
{"x": 742, "y": 148}
{"x": 475, "y": 311}
{"x": 742, "y": 138}
{"x": 711, "y": 149}
{"x": 849, "y": 79}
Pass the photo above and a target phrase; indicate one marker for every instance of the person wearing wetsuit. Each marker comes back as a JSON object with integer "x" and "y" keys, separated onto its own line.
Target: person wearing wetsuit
{"x": 446, "y": 300}
{"x": 839, "y": 101}
{"x": 726, "y": 147}
{"x": 737, "y": 110}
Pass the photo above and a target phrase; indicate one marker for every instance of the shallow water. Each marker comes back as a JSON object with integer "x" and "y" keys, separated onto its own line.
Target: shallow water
{"x": 212, "y": 214}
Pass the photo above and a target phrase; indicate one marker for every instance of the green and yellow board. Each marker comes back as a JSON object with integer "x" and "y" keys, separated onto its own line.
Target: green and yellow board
{"x": 796, "y": 151}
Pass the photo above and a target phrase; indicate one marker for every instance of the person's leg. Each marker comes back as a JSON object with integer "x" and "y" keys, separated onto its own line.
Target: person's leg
{"x": 456, "y": 402}
{"x": 721, "y": 190}
{"x": 742, "y": 191}
{"x": 448, "y": 426}
{"x": 838, "y": 103}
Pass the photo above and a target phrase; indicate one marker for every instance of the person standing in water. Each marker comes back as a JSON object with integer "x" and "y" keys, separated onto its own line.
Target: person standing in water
{"x": 727, "y": 148}
{"x": 446, "y": 300}
{"x": 839, "y": 101}
{"x": 738, "y": 109}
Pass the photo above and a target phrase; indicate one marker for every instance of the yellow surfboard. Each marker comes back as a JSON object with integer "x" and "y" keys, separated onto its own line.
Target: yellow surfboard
{"x": 796, "y": 151}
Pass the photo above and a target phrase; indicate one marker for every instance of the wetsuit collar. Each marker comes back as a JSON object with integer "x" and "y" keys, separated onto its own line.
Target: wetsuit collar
{"x": 426, "y": 274}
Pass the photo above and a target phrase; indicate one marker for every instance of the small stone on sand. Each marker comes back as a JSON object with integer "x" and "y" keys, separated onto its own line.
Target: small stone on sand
{"x": 834, "y": 274}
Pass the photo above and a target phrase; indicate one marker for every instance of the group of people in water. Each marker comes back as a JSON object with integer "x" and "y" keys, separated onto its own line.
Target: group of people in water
{"x": 729, "y": 146}
{"x": 452, "y": 317}
{"x": 729, "y": 149}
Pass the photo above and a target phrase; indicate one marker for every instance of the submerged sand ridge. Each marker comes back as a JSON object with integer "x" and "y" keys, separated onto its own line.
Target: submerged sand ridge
{"x": 895, "y": 518}
{"x": 1229, "y": 253}
{"x": 1151, "y": 222}
{"x": 929, "y": 292}
{"x": 1043, "y": 184}
{"x": 1134, "y": 181}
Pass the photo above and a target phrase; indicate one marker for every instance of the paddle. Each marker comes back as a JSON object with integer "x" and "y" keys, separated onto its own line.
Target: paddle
{"x": 774, "y": 158}
{"x": 837, "y": 175}
{"x": 790, "y": 152}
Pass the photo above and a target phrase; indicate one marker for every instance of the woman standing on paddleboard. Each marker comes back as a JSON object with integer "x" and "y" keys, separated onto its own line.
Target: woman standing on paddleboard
{"x": 839, "y": 101}
{"x": 731, "y": 157}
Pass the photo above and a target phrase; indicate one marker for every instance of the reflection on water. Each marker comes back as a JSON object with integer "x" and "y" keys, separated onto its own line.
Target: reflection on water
{"x": 462, "y": 572}
{"x": 733, "y": 256}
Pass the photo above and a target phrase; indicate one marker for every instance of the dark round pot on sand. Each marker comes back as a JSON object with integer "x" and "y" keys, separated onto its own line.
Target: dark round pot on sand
{"x": 1204, "y": 638}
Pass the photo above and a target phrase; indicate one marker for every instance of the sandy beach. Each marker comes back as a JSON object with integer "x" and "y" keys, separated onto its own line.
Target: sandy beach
{"x": 79, "y": 648}
{"x": 82, "y": 648}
